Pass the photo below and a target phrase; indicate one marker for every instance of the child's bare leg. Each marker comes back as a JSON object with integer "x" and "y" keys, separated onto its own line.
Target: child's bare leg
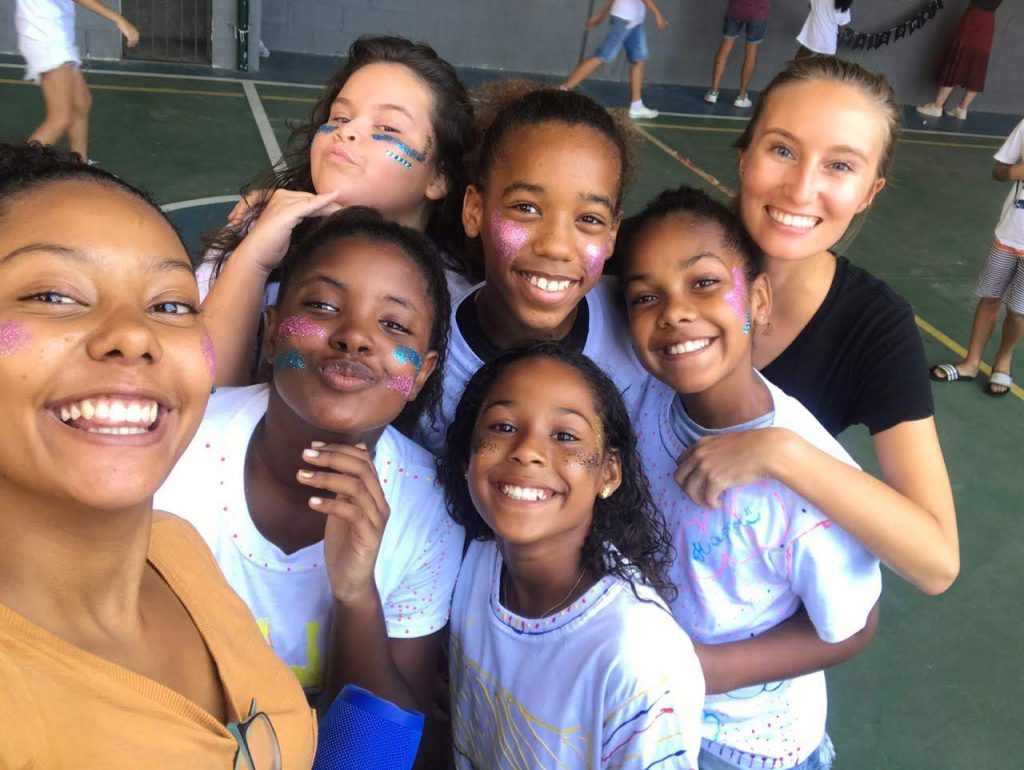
{"x": 749, "y": 63}
{"x": 969, "y": 96}
{"x": 721, "y": 59}
{"x": 58, "y": 94}
{"x": 984, "y": 322}
{"x": 587, "y": 68}
{"x": 636, "y": 80}
{"x": 942, "y": 96}
{"x": 1013, "y": 329}
{"x": 78, "y": 131}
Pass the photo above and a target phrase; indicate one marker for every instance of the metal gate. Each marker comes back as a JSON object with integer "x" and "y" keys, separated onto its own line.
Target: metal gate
{"x": 170, "y": 30}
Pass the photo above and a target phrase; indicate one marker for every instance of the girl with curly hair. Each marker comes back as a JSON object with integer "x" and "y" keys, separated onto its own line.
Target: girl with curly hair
{"x": 750, "y": 561}
{"x": 557, "y": 613}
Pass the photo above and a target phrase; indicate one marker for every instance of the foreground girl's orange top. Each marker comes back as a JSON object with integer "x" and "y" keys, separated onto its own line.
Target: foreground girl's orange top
{"x": 62, "y": 707}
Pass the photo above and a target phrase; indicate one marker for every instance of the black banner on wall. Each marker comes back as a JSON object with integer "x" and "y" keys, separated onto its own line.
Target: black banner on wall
{"x": 861, "y": 41}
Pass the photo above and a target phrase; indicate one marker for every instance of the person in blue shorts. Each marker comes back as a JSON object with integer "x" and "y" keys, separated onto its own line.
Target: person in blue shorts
{"x": 750, "y": 16}
{"x": 626, "y": 30}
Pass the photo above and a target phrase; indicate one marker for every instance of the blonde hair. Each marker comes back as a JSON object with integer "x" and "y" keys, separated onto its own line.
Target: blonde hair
{"x": 874, "y": 87}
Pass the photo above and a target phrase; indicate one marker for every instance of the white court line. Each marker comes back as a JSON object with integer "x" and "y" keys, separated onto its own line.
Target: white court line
{"x": 88, "y": 69}
{"x": 262, "y": 123}
{"x": 169, "y": 207}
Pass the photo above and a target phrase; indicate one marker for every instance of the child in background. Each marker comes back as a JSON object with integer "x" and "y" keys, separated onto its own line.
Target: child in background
{"x": 563, "y": 654}
{"x": 324, "y": 518}
{"x": 625, "y": 30}
{"x": 46, "y": 38}
{"x": 820, "y": 33}
{"x": 389, "y": 130}
{"x": 546, "y": 207}
{"x": 695, "y": 294}
{"x": 740, "y": 15}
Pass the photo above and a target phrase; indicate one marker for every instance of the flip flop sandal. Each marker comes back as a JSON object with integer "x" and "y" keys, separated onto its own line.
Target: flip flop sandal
{"x": 952, "y": 374}
{"x": 999, "y": 378}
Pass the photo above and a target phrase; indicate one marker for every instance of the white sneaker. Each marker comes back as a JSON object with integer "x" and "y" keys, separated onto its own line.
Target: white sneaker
{"x": 930, "y": 110}
{"x": 743, "y": 101}
{"x": 711, "y": 97}
{"x": 643, "y": 112}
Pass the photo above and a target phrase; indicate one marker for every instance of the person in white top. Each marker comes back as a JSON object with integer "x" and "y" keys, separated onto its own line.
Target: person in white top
{"x": 1001, "y": 281}
{"x": 324, "y": 518}
{"x": 770, "y": 589}
{"x": 626, "y": 31}
{"x": 545, "y": 208}
{"x": 820, "y": 33}
{"x": 563, "y": 653}
{"x": 46, "y": 39}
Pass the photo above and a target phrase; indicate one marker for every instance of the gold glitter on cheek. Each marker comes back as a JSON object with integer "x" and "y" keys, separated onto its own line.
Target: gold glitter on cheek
{"x": 591, "y": 462}
{"x": 481, "y": 445}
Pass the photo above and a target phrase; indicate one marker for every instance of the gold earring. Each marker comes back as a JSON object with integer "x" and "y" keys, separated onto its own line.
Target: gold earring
{"x": 605, "y": 493}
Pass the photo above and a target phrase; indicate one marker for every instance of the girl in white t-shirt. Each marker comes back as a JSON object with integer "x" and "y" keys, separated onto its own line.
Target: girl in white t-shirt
{"x": 389, "y": 130}
{"x": 544, "y": 208}
{"x": 820, "y": 33}
{"x": 563, "y": 654}
{"x": 764, "y": 562}
{"x": 323, "y": 517}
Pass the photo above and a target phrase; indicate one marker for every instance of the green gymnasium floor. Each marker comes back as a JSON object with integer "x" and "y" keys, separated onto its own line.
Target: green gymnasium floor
{"x": 940, "y": 686}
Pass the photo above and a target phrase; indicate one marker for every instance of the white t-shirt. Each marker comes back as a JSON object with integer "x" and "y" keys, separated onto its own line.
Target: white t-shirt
{"x": 1010, "y": 229}
{"x": 290, "y": 594}
{"x": 608, "y": 682}
{"x": 821, "y": 30}
{"x": 633, "y": 11}
{"x": 744, "y": 568}
{"x": 608, "y": 345}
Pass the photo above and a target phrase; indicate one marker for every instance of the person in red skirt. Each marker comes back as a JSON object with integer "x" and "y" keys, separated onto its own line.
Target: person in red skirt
{"x": 966, "y": 63}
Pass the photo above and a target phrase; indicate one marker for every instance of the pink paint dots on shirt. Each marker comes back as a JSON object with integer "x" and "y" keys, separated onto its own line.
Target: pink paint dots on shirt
{"x": 210, "y": 355}
{"x": 736, "y": 297}
{"x": 402, "y": 384}
{"x": 300, "y": 326}
{"x": 507, "y": 236}
{"x": 12, "y": 337}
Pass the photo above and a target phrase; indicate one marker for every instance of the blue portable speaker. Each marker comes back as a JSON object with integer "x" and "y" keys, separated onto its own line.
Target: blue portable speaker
{"x": 364, "y": 732}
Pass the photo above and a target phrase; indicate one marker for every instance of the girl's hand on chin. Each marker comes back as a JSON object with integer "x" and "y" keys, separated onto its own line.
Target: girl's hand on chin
{"x": 356, "y": 513}
{"x": 271, "y": 234}
{"x": 717, "y": 463}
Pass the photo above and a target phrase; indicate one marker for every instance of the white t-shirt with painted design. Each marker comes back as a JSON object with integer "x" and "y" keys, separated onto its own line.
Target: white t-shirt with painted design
{"x": 744, "y": 568}
{"x": 609, "y": 682}
{"x": 820, "y": 32}
{"x": 1010, "y": 230}
{"x": 608, "y": 345}
{"x": 290, "y": 594}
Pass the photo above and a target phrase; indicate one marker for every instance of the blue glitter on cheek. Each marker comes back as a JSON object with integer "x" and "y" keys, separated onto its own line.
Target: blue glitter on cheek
{"x": 398, "y": 158}
{"x": 406, "y": 149}
{"x": 290, "y": 359}
{"x": 327, "y": 128}
{"x": 408, "y": 356}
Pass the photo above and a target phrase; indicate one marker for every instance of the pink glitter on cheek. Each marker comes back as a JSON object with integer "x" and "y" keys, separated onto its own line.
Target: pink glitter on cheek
{"x": 594, "y": 256}
{"x": 736, "y": 297}
{"x": 508, "y": 237}
{"x": 402, "y": 384}
{"x": 12, "y": 337}
{"x": 209, "y": 354}
{"x": 300, "y": 326}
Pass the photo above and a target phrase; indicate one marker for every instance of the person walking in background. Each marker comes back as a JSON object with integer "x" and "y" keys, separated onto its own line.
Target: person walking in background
{"x": 740, "y": 15}
{"x": 46, "y": 39}
{"x": 966, "y": 63}
{"x": 626, "y": 30}
{"x": 820, "y": 33}
{"x": 1001, "y": 281}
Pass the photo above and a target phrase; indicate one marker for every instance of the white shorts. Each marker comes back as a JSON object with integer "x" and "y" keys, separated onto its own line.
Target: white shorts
{"x": 43, "y": 57}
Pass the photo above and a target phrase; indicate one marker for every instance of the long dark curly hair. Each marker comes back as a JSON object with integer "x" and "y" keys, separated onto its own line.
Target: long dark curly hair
{"x": 628, "y": 536}
{"x": 452, "y": 122}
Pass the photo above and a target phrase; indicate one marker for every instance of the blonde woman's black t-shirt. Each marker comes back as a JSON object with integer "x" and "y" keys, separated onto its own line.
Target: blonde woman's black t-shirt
{"x": 859, "y": 360}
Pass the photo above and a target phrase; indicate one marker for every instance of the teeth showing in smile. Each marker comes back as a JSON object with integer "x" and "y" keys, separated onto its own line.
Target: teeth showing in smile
{"x": 523, "y": 493}
{"x": 113, "y": 416}
{"x": 793, "y": 220}
{"x": 545, "y": 285}
{"x": 687, "y": 347}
